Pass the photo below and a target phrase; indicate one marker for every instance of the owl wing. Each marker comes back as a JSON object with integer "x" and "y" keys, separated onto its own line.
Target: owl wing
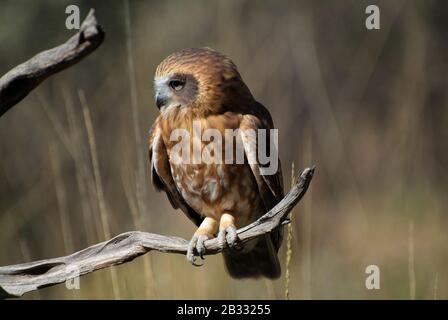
{"x": 270, "y": 186}
{"x": 161, "y": 177}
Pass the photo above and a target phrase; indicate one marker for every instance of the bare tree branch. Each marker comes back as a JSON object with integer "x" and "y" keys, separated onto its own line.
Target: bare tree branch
{"x": 22, "y": 278}
{"x": 18, "y": 82}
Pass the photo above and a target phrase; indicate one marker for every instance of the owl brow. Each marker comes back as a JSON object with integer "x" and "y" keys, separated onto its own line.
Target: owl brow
{"x": 179, "y": 76}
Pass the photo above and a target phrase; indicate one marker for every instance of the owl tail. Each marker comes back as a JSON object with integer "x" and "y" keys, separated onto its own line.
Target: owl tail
{"x": 260, "y": 260}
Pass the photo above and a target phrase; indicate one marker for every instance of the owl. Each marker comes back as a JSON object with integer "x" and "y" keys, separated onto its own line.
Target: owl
{"x": 200, "y": 90}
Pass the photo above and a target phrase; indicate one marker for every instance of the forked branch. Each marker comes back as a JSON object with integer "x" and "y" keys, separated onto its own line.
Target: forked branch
{"x": 22, "y": 278}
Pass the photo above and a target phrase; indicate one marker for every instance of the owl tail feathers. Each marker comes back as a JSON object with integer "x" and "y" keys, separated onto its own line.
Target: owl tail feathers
{"x": 261, "y": 260}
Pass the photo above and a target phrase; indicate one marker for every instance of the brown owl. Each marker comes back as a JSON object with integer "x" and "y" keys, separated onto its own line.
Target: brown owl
{"x": 202, "y": 88}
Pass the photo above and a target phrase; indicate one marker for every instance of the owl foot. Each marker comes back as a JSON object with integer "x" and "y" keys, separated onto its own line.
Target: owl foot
{"x": 228, "y": 237}
{"x": 196, "y": 248}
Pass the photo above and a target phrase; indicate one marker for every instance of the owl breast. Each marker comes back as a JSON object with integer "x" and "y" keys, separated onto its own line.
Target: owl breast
{"x": 214, "y": 189}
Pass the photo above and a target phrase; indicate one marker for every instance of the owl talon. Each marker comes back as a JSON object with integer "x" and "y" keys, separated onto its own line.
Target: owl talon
{"x": 196, "y": 247}
{"x": 228, "y": 237}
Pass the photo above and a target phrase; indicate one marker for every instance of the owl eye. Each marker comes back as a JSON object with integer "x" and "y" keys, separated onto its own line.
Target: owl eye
{"x": 177, "y": 84}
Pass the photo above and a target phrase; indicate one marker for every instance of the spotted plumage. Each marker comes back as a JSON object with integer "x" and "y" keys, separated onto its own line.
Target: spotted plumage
{"x": 203, "y": 86}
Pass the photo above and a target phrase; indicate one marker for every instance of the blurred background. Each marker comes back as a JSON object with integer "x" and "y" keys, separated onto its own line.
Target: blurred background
{"x": 369, "y": 108}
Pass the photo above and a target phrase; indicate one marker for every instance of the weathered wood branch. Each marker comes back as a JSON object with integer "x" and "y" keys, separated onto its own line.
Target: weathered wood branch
{"x": 21, "y": 80}
{"x": 22, "y": 278}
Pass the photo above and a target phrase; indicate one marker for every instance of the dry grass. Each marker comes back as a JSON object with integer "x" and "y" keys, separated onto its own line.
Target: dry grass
{"x": 105, "y": 225}
{"x": 289, "y": 237}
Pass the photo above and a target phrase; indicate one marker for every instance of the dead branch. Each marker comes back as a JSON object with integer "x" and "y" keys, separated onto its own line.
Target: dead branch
{"x": 21, "y": 80}
{"x": 22, "y": 278}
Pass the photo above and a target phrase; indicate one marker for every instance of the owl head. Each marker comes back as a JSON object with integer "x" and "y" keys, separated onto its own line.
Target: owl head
{"x": 199, "y": 78}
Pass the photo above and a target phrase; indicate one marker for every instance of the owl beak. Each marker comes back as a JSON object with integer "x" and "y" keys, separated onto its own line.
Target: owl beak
{"x": 160, "y": 100}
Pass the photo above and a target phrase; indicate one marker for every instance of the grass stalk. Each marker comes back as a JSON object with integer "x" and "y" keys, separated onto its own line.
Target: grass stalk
{"x": 411, "y": 262}
{"x": 99, "y": 186}
{"x": 289, "y": 243}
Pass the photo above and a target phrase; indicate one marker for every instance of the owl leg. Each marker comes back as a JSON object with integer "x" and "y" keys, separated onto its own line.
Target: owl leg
{"x": 227, "y": 231}
{"x": 206, "y": 231}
